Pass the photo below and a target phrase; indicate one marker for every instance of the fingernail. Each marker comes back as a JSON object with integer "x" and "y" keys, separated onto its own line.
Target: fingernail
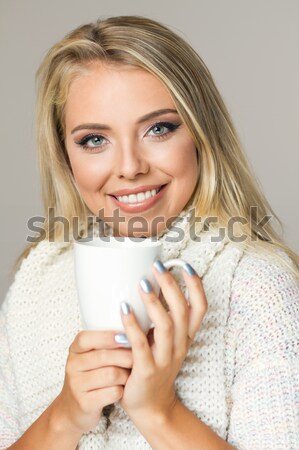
{"x": 145, "y": 285}
{"x": 125, "y": 307}
{"x": 189, "y": 269}
{"x": 121, "y": 338}
{"x": 159, "y": 266}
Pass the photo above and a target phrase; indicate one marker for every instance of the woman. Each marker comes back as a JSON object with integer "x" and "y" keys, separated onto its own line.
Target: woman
{"x": 124, "y": 103}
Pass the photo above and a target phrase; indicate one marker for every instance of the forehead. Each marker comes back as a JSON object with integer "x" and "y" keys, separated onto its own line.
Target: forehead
{"x": 109, "y": 89}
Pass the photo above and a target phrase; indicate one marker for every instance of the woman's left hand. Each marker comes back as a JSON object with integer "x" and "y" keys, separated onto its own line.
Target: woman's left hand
{"x": 157, "y": 360}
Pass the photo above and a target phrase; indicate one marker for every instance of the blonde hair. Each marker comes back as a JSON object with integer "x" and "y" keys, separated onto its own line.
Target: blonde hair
{"x": 226, "y": 187}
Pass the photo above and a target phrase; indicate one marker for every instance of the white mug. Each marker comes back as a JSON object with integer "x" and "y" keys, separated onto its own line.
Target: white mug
{"x": 108, "y": 271}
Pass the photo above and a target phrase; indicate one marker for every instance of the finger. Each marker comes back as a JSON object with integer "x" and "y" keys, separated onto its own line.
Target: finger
{"x": 102, "y": 397}
{"x": 197, "y": 300}
{"x": 90, "y": 340}
{"x": 163, "y": 332}
{"x": 178, "y": 306}
{"x": 100, "y": 358}
{"x": 142, "y": 354}
{"x": 104, "y": 377}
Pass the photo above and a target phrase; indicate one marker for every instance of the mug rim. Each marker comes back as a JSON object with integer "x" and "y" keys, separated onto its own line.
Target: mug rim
{"x": 122, "y": 242}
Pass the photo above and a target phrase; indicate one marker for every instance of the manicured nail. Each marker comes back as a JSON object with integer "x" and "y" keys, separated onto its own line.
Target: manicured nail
{"x": 145, "y": 285}
{"x": 121, "y": 338}
{"x": 125, "y": 307}
{"x": 189, "y": 269}
{"x": 159, "y": 266}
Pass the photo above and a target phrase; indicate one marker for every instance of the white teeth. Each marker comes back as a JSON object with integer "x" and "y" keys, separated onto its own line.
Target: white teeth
{"x": 132, "y": 198}
{"x": 135, "y": 198}
{"x": 140, "y": 197}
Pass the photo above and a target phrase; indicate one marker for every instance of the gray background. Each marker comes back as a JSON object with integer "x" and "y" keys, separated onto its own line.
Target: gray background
{"x": 250, "y": 47}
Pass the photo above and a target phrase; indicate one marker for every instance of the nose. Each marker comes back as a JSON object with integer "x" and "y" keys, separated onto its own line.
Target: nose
{"x": 131, "y": 162}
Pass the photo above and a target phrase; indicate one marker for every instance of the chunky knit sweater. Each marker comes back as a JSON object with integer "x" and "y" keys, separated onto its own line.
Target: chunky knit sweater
{"x": 240, "y": 375}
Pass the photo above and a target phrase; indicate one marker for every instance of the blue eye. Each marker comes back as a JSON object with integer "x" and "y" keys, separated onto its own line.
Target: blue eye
{"x": 91, "y": 141}
{"x": 94, "y": 142}
{"x": 158, "y": 128}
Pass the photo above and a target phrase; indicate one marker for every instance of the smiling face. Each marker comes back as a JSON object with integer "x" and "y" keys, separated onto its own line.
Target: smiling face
{"x": 123, "y": 148}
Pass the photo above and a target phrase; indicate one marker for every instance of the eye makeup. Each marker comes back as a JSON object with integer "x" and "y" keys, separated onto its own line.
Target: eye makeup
{"x": 84, "y": 143}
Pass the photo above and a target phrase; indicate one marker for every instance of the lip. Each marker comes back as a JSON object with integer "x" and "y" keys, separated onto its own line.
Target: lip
{"x": 136, "y": 190}
{"x": 140, "y": 206}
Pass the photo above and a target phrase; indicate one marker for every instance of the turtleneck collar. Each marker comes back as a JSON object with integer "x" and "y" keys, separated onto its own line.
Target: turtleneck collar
{"x": 185, "y": 238}
{"x": 183, "y": 232}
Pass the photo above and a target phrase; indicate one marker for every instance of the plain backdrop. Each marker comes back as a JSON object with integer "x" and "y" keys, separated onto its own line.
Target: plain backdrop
{"x": 250, "y": 47}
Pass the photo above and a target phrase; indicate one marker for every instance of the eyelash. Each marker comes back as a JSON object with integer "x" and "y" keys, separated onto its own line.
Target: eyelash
{"x": 171, "y": 127}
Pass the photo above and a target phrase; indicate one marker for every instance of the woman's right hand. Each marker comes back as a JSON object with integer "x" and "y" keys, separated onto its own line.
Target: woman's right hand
{"x": 96, "y": 371}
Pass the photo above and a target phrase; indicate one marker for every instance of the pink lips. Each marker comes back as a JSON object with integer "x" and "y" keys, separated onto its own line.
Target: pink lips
{"x": 140, "y": 206}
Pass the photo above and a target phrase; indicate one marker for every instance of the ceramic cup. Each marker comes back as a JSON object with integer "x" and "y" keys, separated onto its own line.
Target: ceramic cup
{"x": 108, "y": 271}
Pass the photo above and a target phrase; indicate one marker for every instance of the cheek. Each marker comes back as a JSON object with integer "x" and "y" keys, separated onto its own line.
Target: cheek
{"x": 182, "y": 165}
{"x": 89, "y": 175}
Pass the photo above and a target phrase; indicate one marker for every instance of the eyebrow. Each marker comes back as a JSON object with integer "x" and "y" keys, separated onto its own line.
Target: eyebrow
{"x": 99, "y": 126}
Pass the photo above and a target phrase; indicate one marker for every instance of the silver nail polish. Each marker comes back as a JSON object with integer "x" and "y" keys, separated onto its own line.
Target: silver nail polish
{"x": 125, "y": 307}
{"x": 159, "y": 266}
{"x": 145, "y": 286}
{"x": 121, "y": 338}
{"x": 189, "y": 269}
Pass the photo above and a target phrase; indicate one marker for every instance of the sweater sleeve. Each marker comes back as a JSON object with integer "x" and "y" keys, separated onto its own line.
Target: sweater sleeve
{"x": 9, "y": 427}
{"x": 265, "y": 389}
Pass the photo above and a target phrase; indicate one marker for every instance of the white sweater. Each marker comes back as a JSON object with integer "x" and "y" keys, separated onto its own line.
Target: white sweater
{"x": 240, "y": 376}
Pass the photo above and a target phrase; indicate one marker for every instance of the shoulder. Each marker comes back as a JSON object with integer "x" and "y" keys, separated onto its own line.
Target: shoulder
{"x": 265, "y": 276}
{"x": 44, "y": 261}
{"x": 264, "y": 307}
{"x": 44, "y": 254}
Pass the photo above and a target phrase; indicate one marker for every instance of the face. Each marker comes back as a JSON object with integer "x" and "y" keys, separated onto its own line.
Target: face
{"x": 132, "y": 157}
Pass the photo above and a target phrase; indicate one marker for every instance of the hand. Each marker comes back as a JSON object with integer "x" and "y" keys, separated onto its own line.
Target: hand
{"x": 150, "y": 386}
{"x": 96, "y": 371}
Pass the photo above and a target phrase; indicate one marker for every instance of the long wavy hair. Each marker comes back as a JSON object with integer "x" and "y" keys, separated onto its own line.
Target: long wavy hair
{"x": 226, "y": 186}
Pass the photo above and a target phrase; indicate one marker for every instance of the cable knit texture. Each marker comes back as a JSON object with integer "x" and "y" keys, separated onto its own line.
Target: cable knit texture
{"x": 241, "y": 373}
